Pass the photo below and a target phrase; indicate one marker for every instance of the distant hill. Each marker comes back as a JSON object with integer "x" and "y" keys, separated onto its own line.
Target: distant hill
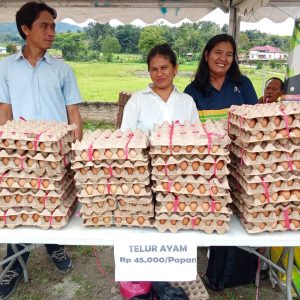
{"x": 11, "y": 28}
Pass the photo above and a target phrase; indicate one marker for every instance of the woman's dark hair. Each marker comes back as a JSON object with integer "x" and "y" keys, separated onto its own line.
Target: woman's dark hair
{"x": 29, "y": 12}
{"x": 164, "y": 50}
{"x": 201, "y": 80}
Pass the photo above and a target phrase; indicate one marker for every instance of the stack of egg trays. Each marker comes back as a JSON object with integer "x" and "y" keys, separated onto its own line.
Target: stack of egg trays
{"x": 113, "y": 178}
{"x": 36, "y": 185}
{"x": 189, "y": 173}
{"x": 265, "y": 156}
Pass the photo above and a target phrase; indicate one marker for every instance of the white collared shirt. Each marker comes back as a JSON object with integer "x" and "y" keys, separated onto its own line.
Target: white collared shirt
{"x": 145, "y": 108}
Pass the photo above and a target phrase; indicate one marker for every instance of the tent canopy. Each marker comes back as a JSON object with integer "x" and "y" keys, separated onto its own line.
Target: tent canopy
{"x": 150, "y": 10}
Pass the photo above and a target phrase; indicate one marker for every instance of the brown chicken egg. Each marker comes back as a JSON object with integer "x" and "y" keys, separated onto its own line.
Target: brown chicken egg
{"x": 162, "y": 221}
{"x": 95, "y": 220}
{"x": 197, "y": 221}
{"x": 296, "y": 193}
{"x": 193, "y": 206}
{"x": 285, "y": 165}
{"x": 120, "y": 153}
{"x": 19, "y": 198}
{"x": 111, "y": 202}
{"x": 252, "y": 156}
{"x": 42, "y": 146}
{"x": 7, "y": 199}
{"x": 296, "y": 223}
{"x": 165, "y": 185}
{"x": 259, "y": 135}
{"x": 54, "y": 165}
{"x": 173, "y": 222}
{"x": 35, "y": 217}
{"x": 21, "y": 182}
{"x": 169, "y": 206}
{"x": 30, "y": 145}
{"x": 129, "y": 171}
{"x": 262, "y": 198}
{"x": 277, "y": 154}
{"x": 129, "y": 220}
{"x": 254, "y": 214}
{"x": 214, "y": 190}
{"x": 183, "y": 165}
{"x": 277, "y": 211}
{"x": 95, "y": 171}
{"x": 89, "y": 189}
{"x": 132, "y": 153}
{"x": 264, "y": 122}
{"x": 45, "y": 183}
{"x": 189, "y": 148}
{"x": 274, "y": 197}
{"x": 82, "y": 171}
{"x": 100, "y": 204}
{"x": 278, "y": 183}
{"x": 296, "y": 163}
{"x": 141, "y": 220}
{"x": 96, "y": 154}
{"x": 118, "y": 220}
{"x": 277, "y": 121}
{"x": 84, "y": 155}
{"x": 100, "y": 188}
{"x": 30, "y": 198}
{"x": 266, "y": 213}
{"x": 220, "y": 165}
{"x": 262, "y": 226}
{"x": 205, "y": 206}
{"x": 10, "y": 182}
{"x": 108, "y": 153}
{"x": 265, "y": 155}
{"x": 195, "y": 165}
{"x": 163, "y": 149}
{"x": 177, "y": 186}
{"x": 181, "y": 206}
{"x": 6, "y": 143}
{"x": 5, "y": 161}
{"x": 201, "y": 149}
{"x": 159, "y": 168}
{"x": 290, "y": 182}
{"x": 117, "y": 170}
{"x": 189, "y": 187}
{"x": 207, "y": 166}
{"x": 136, "y": 188}
{"x": 283, "y": 132}
{"x": 273, "y": 134}
{"x": 141, "y": 169}
{"x": 296, "y": 132}
{"x": 33, "y": 182}
{"x": 58, "y": 219}
{"x": 24, "y": 217}
{"x": 202, "y": 189}
{"x": 274, "y": 167}
{"x": 176, "y": 148}
{"x": 286, "y": 194}
{"x": 218, "y": 206}
{"x": 13, "y": 218}
{"x": 208, "y": 222}
{"x": 214, "y": 148}
{"x": 252, "y": 123}
{"x": 113, "y": 188}
{"x": 106, "y": 220}
{"x": 220, "y": 222}
{"x": 42, "y": 164}
{"x": 171, "y": 167}
{"x": 290, "y": 120}
{"x": 124, "y": 188}
{"x": 185, "y": 221}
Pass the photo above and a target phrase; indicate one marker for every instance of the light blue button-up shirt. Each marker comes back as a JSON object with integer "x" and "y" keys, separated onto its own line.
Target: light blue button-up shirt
{"x": 38, "y": 93}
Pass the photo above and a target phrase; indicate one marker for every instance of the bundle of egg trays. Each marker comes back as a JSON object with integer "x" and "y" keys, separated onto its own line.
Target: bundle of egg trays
{"x": 266, "y": 165}
{"x": 189, "y": 176}
{"x": 112, "y": 174}
{"x": 36, "y": 186}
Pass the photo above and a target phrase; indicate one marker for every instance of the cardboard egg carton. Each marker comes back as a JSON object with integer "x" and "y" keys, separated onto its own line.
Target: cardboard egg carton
{"x": 125, "y": 189}
{"x": 195, "y": 289}
{"x": 37, "y": 203}
{"x": 270, "y": 226}
{"x": 257, "y": 158}
{"x": 36, "y": 131}
{"x": 192, "y": 215}
{"x": 242, "y": 115}
{"x": 284, "y": 145}
{"x": 19, "y": 180}
{"x": 97, "y": 208}
{"x": 135, "y": 176}
{"x": 176, "y": 166}
{"x": 187, "y": 199}
{"x": 52, "y": 167}
{"x": 163, "y": 224}
{"x": 115, "y": 181}
{"x": 116, "y": 165}
{"x": 187, "y": 134}
{"x": 258, "y": 187}
{"x": 46, "y": 219}
{"x": 117, "y": 220}
{"x": 127, "y": 199}
{"x": 260, "y": 136}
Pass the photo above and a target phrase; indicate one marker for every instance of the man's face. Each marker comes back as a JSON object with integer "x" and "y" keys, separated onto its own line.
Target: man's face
{"x": 272, "y": 91}
{"x": 42, "y": 32}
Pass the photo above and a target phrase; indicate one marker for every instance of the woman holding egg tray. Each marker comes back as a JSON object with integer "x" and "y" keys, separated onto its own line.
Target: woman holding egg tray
{"x": 161, "y": 101}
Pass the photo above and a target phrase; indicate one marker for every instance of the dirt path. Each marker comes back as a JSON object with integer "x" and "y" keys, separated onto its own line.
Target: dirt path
{"x": 94, "y": 279}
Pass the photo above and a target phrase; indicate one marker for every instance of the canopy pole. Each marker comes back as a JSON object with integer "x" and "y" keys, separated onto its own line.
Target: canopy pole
{"x": 234, "y": 24}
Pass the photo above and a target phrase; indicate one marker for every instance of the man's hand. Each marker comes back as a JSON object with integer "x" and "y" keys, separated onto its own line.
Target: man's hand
{"x": 5, "y": 113}
{"x": 74, "y": 117}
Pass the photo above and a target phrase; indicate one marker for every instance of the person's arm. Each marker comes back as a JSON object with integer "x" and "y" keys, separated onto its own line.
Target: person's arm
{"x": 75, "y": 118}
{"x": 5, "y": 113}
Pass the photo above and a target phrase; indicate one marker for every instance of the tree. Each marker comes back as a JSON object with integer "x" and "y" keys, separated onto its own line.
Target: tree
{"x": 11, "y": 48}
{"x": 150, "y": 36}
{"x": 128, "y": 37}
{"x": 110, "y": 45}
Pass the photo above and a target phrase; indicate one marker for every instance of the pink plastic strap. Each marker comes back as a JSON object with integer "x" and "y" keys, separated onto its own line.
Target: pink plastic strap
{"x": 110, "y": 170}
{"x": 175, "y": 203}
{"x": 238, "y": 186}
{"x": 23, "y": 119}
{"x": 108, "y": 187}
{"x": 77, "y": 214}
{"x": 286, "y": 218}
{"x": 37, "y": 138}
{"x": 209, "y": 137}
{"x": 265, "y": 186}
{"x": 45, "y": 199}
{"x": 228, "y": 120}
{"x": 90, "y": 152}
{"x": 4, "y": 217}
{"x": 286, "y": 121}
{"x": 51, "y": 219}
{"x": 290, "y": 161}
{"x": 3, "y": 175}
{"x": 171, "y": 137}
{"x": 193, "y": 222}
{"x": 39, "y": 183}
{"x": 169, "y": 185}
{"x": 22, "y": 158}
{"x": 212, "y": 205}
{"x": 127, "y": 144}
{"x": 1, "y": 132}
{"x": 65, "y": 161}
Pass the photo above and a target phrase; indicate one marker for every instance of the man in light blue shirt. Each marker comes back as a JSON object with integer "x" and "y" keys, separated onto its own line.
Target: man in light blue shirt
{"x": 36, "y": 86}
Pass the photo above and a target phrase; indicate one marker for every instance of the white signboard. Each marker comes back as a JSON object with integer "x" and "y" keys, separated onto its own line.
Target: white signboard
{"x": 164, "y": 257}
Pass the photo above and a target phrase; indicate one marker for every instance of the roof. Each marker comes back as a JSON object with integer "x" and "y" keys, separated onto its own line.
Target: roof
{"x": 266, "y": 48}
{"x": 150, "y": 10}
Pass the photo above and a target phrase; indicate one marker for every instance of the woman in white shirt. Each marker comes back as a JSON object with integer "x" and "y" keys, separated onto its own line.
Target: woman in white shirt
{"x": 161, "y": 101}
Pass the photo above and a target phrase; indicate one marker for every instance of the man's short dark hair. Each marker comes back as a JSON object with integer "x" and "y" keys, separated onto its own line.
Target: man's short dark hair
{"x": 29, "y": 12}
{"x": 276, "y": 78}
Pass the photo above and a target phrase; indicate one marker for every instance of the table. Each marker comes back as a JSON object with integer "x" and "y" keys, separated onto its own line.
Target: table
{"x": 76, "y": 234}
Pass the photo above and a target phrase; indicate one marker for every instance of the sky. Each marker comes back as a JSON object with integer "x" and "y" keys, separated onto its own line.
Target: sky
{"x": 219, "y": 17}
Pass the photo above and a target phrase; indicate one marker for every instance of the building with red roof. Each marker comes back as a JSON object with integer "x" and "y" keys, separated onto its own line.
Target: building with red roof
{"x": 265, "y": 53}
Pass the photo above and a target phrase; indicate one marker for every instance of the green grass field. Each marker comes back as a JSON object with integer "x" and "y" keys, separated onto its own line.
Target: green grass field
{"x": 103, "y": 81}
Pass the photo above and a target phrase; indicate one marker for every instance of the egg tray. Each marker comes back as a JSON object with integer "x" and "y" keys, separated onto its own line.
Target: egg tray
{"x": 263, "y": 169}
{"x": 267, "y": 187}
{"x": 261, "y": 136}
{"x": 92, "y": 191}
{"x": 37, "y": 203}
{"x": 127, "y": 199}
{"x": 120, "y": 178}
{"x": 115, "y": 182}
{"x": 45, "y": 219}
{"x": 270, "y": 226}
{"x": 34, "y": 182}
{"x": 192, "y": 207}
{"x": 187, "y": 151}
{"x": 36, "y": 192}
{"x": 101, "y": 140}
{"x": 38, "y": 166}
{"x": 35, "y": 130}
{"x": 247, "y": 112}
{"x": 190, "y": 134}
{"x": 195, "y": 289}
{"x": 174, "y": 226}
{"x": 261, "y": 199}
{"x": 119, "y": 221}
{"x": 187, "y": 199}
{"x": 254, "y": 158}
{"x": 124, "y": 207}
{"x": 121, "y": 164}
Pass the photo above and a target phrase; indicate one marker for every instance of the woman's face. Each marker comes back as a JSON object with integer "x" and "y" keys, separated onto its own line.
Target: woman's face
{"x": 161, "y": 72}
{"x": 219, "y": 59}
